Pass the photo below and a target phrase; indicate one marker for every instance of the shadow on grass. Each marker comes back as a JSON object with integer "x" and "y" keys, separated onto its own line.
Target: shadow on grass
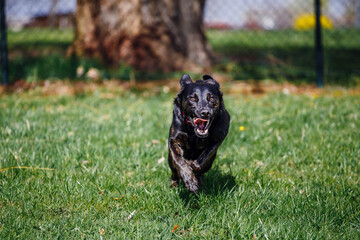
{"x": 215, "y": 184}
{"x": 290, "y": 63}
{"x": 280, "y": 55}
{"x": 296, "y": 64}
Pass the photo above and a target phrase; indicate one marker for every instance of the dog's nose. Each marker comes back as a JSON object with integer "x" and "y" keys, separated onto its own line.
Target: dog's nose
{"x": 205, "y": 114}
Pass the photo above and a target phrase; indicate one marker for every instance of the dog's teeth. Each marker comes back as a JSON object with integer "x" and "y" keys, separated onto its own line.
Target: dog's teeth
{"x": 200, "y": 131}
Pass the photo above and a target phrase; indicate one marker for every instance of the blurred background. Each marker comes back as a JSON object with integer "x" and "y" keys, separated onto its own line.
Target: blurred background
{"x": 250, "y": 40}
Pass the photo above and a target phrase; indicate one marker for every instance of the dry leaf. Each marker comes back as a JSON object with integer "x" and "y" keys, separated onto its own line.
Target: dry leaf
{"x": 155, "y": 141}
{"x": 93, "y": 73}
{"x": 80, "y": 71}
{"x": 130, "y": 216}
{"x": 175, "y": 227}
{"x": 162, "y": 159}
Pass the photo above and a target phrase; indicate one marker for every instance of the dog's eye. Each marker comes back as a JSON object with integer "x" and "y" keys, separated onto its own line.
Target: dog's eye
{"x": 193, "y": 99}
{"x": 211, "y": 99}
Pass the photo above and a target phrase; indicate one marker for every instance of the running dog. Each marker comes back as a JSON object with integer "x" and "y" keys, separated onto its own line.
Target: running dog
{"x": 199, "y": 126}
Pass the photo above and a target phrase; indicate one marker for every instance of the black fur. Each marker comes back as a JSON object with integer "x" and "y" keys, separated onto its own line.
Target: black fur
{"x": 200, "y": 124}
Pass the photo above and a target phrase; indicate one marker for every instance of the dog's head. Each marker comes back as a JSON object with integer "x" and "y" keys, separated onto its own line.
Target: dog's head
{"x": 200, "y": 102}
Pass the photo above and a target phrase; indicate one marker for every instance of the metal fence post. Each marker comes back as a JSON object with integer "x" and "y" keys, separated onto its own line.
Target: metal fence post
{"x": 4, "y": 52}
{"x": 319, "y": 46}
{"x": 357, "y": 13}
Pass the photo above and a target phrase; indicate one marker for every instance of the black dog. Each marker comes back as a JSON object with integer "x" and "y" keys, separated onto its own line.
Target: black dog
{"x": 200, "y": 124}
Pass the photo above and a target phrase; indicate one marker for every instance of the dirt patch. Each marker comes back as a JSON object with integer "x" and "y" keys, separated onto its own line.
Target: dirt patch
{"x": 109, "y": 87}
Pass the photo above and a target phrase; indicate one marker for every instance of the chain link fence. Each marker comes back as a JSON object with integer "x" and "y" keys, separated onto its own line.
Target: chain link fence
{"x": 255, "y": 40}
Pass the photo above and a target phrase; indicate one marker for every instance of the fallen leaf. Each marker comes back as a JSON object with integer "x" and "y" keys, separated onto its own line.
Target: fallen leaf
{"x": 80, "y": 71}
{"x": 175, "y": 227}
{"x": 162, "y": 159}
{"x": 119, "y": 198}
{"x": 28, "y": 124}
{"x": 130, "y": 216}
{"x": 105, "y": 117}
{"x": 155, "y": 141}
{"x": 93, "y": 73}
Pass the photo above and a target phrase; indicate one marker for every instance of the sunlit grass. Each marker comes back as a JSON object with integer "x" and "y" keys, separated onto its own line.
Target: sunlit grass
{"x": 289, "y": 169}
{"x": 39, "y": 38}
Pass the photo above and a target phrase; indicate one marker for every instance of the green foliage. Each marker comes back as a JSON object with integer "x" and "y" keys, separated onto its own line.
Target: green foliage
{"x": 292, "y": 173}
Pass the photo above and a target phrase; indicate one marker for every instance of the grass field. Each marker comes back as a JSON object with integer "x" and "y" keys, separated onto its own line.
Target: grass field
{"x": 288, "y": 54}
{"x": 38, "y": 54}
{"x": 292, "y": 173}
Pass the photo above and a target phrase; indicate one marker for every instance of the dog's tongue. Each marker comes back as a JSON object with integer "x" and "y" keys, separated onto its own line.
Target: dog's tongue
{"x": 200, "y": 123}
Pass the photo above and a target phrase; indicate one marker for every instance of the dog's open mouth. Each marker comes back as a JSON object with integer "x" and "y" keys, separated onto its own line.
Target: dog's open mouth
{"x": 201, "y": 126}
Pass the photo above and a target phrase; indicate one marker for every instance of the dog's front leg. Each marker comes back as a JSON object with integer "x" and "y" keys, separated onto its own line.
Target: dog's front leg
{"x": 184, "y": 171}
{"x": 206, "y": 159}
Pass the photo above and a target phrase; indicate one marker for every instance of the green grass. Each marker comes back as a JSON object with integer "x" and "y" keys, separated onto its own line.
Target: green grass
{"x": 335, "y": 38}
{"x": 36, "y": 39}
{"x": 288, "y": 54}
{"x": 278, "y": 55}
{"x": 292, "y": 174}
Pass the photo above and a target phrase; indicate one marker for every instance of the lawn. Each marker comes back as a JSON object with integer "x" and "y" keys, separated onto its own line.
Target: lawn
{"x": 38, "y": 54}
{"x": 288, "y": 54}
{"x": 98, "y": 169}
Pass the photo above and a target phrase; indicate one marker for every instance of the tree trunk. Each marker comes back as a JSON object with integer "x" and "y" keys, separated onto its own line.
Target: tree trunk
{"x": 150, "y": 35}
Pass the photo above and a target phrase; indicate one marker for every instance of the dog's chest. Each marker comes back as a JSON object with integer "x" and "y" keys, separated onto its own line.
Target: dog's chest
{"x": 196, "y": 147}
{"x": 198, "y": 143}
{"x": 201, "y": 143}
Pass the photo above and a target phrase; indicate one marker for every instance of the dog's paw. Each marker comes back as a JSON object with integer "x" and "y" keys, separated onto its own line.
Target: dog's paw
{"x": 192, "y": 185}
{"x": 174, "y": 184}
{"x": 194, "y": 165}
{"x": 189, "y": 179}
{"x": 194, "y": 189}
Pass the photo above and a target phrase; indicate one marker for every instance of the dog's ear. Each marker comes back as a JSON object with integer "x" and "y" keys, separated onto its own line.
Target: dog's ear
{"x": 185, "y": 80}
{"x": 210, "y": 80}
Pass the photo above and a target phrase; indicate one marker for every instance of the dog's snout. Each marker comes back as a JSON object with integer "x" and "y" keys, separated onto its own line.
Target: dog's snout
{"x": 205, "y": 113}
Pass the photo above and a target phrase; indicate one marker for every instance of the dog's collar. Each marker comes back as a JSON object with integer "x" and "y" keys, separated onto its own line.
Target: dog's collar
{"x": 186, "y": 120}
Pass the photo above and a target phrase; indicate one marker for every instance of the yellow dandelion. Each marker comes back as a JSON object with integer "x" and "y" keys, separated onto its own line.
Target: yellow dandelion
{"x": 241, "y": 128}
{"x": 337, "y": 93}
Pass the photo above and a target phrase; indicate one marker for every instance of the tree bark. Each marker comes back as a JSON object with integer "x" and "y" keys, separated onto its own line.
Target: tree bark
{"x": 150, "y": 35}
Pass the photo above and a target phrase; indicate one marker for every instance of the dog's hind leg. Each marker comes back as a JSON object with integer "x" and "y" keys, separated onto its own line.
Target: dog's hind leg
{"x": 174, "y": 180}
